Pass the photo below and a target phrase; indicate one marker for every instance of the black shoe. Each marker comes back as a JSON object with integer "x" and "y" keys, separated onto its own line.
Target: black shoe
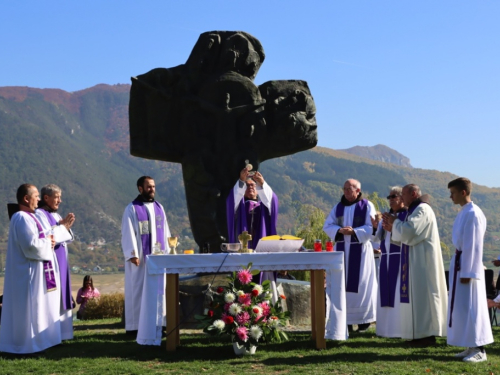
{"x": 131, "y": 333}
{"x": 423, "y": 342}
{"x": 363, "y": 327}
{"x": 349, "y": 328}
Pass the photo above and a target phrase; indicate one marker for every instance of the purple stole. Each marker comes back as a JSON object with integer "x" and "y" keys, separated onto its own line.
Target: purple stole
{"x": 355, "y": 249}
{"x": 143, "y": 218}
{"x": 62, "y": 260}
{"x": 48, "y": 270}
{"x": 264, "y": 220}
{"x": 458, "y": 255}
{"x": 388, "y": 275}
{"x": 405, "y": 263}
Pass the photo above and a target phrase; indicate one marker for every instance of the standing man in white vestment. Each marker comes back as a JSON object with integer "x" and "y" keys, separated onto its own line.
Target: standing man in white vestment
{"x": 423, "y": 285}
{"x": 468, "y": 319}
{"x": 350, "y": 224}
{"x": 61, "y": 229}
{"x": 388, "y": 306}
{"x": 31, "y": 299}
{"x": 144, "y": 225}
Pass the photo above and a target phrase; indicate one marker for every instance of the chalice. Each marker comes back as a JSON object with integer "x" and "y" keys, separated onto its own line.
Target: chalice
{"x": 173, "y": 242}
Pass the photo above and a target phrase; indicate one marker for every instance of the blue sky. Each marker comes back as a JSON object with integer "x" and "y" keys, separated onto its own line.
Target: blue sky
{"x": 422, "y": 77}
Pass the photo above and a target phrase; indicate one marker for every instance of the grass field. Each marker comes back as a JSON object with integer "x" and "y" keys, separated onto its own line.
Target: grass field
{"x": 102, "y": 347}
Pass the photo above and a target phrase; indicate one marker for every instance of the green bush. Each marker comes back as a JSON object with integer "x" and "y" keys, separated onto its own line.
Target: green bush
{"x": 106, "y": 306}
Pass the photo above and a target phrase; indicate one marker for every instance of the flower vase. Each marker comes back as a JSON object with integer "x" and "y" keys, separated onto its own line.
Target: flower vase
{"x": 241, "y": 350}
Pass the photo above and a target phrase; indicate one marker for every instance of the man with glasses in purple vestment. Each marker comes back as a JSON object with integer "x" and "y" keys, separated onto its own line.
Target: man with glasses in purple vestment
{"x": 61, "y": 229}
{"x": 350, "y": 224}
{"x": 252, "y": 206}
{"x": 144, "y": 225}
{"x": 31, "y": 300}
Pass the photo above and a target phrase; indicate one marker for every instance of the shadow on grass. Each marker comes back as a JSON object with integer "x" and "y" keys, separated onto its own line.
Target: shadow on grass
{"x": 90, "y": 327}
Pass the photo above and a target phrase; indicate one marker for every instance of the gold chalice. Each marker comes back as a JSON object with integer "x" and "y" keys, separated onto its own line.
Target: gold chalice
{"x": 173, "y": 242}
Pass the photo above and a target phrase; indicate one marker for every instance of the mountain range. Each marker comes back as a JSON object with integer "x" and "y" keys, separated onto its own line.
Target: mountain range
{"x": 80, "y": 141}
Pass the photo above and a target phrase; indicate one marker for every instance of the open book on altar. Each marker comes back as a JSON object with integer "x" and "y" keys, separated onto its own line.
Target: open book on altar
{"x": 279, "y": 244}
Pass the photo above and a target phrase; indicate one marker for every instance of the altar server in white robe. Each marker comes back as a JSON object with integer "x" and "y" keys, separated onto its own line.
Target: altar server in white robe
{"x": 144, "y": 225}
{"x": 468, "y": 318}
{"x": 61, "y": 230}
{"x": 423, "y": 293}
{"x": 350, "y": 224}
{"x": 388, "y": 305}
{"x": 31, "y": 300}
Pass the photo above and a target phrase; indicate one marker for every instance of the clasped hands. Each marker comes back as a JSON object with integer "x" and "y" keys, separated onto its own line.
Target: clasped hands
{"x": 346, "y": 231}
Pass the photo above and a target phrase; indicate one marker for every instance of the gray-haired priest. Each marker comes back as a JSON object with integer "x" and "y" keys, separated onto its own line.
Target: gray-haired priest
{"x": 349, "y": 223}
{"x": 423, "y": 285}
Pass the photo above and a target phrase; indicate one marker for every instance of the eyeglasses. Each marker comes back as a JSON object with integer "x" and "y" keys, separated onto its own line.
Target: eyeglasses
{"x": 392, "y": 196}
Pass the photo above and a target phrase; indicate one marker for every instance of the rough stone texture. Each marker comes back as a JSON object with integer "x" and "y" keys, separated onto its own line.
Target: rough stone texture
{"x": 208, "y": 115}
{"x": 298, "y": 301}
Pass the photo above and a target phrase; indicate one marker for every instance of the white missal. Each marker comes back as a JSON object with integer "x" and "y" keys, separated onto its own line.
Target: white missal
{"x": 279, "y": 246}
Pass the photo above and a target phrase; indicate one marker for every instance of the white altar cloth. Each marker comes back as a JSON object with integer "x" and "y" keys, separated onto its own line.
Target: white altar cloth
{"x": 150, "y": 321}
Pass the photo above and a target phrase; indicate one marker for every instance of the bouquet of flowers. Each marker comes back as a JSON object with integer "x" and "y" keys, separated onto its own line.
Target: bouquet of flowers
{"x": 243, "y": 309}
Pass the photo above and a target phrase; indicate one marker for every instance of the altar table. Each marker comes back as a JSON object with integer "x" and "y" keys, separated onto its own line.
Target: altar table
{"x": 329, "y": 324}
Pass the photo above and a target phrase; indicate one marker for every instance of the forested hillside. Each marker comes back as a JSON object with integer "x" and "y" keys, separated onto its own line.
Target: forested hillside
{"x": 80, "y": 142}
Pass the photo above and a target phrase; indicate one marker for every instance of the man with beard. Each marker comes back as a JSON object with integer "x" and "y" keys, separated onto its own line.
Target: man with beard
{"x": 388, "y": 314}
{"x": 423, "y": 285}
{"x": 144, "y": 225}
{"x": 61, "y": 229}
{"x": 350, "y": 224}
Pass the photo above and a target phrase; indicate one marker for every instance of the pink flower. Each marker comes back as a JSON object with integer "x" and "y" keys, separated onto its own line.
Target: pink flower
{"x": 244, "y": 276}
{"x": 266, "y": 309}
{"x": 227, "y": 306}
{"x": 242, "y": 333}
{"x": 245, "y": 299}
{"x": 242, "y": 318}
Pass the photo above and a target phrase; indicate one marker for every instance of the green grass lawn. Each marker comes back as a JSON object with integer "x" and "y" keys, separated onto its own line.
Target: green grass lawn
{"x": 102, "y": 347}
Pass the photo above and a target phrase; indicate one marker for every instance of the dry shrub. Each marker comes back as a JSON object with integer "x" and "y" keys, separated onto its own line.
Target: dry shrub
{"x": 106, "y": 306}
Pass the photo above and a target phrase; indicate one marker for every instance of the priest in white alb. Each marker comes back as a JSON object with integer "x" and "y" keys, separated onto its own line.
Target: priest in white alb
{"x": 61, "y": 229}
{"x": 350, "y": 224}
{"x": 144, "y": 226}
{"x": 31, "y": 299}
{"x": 388, "y": 306}
{"x": 468, "y": 318}
{"x": 423, "y": 294}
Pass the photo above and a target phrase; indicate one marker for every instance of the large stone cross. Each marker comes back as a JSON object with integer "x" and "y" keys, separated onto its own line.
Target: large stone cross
{"x": 208, "y": 115}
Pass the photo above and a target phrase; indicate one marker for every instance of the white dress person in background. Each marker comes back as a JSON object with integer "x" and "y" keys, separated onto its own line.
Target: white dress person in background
{"x": 31, "y": 305}
{"x": 133, "y": 231}
{"x": 389, "y": 315}
{"x": 468, "y": 323}
{"x": 350, "y": 224}
{"x": 61, "y": 230}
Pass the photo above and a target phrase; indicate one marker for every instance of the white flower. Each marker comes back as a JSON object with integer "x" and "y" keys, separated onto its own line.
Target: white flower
{"x": 274, "y": 323}
{"x": 234, "y": 309}
{"x": 240, "y": 293}
{"x": 229, "y": 297}
{"x": 257, "y": 310}
{"x": 258, "y": 288}
{"x": 219, "y": 324}
{"x": 255, "y": 332}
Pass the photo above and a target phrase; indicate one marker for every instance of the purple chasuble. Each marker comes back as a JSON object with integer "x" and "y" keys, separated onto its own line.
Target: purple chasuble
{"x": 48, "y": 270}
{"x": 405, "y": 261}
{"x": 458, "y": 256}
{"x": 355, "y": 249}
{"x": 144, "y": 226}
{"x": 62, "y": 261}
{"x": 388, "y": 274}
{"x": 256, "y": 219}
